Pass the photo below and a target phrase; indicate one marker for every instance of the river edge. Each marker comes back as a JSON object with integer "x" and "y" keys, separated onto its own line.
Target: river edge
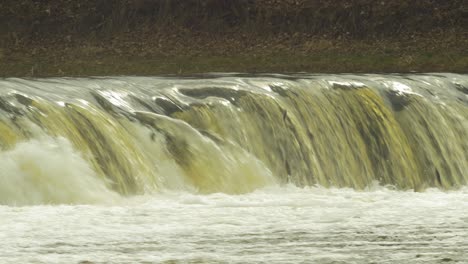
{"x": 142, "y": 37}
{"x": 100, "y": 58}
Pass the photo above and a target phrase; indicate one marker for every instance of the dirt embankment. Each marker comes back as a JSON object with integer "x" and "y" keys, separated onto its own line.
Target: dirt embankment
{"x": 101, "y": 37}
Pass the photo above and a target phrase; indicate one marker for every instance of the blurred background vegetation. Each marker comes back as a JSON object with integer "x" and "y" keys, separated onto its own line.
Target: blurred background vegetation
{"x": 89, "y": 37}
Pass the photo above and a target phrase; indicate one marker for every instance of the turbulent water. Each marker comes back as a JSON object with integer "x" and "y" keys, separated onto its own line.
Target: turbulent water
{"x": 232, "y": 168}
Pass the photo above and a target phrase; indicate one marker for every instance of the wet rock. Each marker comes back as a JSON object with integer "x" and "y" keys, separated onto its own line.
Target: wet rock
{"x": 24, "y": 100}
{"x": 168, "y": 105}
{"x": 9, "y": 107}
{"x": 461, "y": 88}
{"x": 398, "y": 100}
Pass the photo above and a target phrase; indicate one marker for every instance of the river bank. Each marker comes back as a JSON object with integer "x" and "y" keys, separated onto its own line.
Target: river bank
{"x": 51, "y": 38}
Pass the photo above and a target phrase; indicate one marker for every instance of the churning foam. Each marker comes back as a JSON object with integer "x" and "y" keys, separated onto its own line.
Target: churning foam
{"x": 49, "y": 171}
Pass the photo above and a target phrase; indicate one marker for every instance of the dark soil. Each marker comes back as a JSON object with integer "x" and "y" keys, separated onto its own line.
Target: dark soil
{"x": 152, "y": 37}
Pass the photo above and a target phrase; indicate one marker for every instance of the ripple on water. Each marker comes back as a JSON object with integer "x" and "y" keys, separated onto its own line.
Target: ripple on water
{"x": 280, "y": 225}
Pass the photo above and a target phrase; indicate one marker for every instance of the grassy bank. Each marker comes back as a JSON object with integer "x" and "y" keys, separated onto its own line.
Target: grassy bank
{"x": 326, "y": 62}
{"x": 142, "y": 37}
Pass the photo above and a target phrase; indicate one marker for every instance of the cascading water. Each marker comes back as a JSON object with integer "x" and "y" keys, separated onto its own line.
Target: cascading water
{"x": 233, "y": 134}
{"x": 234, "y": 169}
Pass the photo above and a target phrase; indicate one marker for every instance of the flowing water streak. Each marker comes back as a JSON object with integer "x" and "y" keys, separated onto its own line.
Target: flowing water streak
{"x": 233, "y": 133}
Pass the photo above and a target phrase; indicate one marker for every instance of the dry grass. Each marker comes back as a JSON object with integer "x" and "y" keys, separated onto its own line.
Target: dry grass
{"x": 145, "y": 37}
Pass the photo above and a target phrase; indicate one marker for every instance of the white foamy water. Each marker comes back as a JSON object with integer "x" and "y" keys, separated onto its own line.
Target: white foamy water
{"x": 193, "y": 170}
{"x": 273, "y": 225}
{"x": 49, "y": 171}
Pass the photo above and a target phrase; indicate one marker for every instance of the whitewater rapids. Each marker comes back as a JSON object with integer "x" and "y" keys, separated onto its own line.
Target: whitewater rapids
{"x": 229, "y": 168}
{"x": 273, "y": 225}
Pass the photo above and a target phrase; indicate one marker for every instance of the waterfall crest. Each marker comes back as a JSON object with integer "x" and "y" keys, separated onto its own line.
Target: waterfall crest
{"x": 235, "y": 133}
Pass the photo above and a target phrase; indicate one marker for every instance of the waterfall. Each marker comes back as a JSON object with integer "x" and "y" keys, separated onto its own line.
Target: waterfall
{"x": 230, "y": 133}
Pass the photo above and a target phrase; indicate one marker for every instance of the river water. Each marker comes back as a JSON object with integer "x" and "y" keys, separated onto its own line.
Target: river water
{"x": 272, "y": 225}
{"x": 235, "y": 169}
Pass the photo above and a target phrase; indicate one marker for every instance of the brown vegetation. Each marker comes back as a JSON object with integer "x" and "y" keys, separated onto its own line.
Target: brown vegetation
{"x": 94, "y": 37}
